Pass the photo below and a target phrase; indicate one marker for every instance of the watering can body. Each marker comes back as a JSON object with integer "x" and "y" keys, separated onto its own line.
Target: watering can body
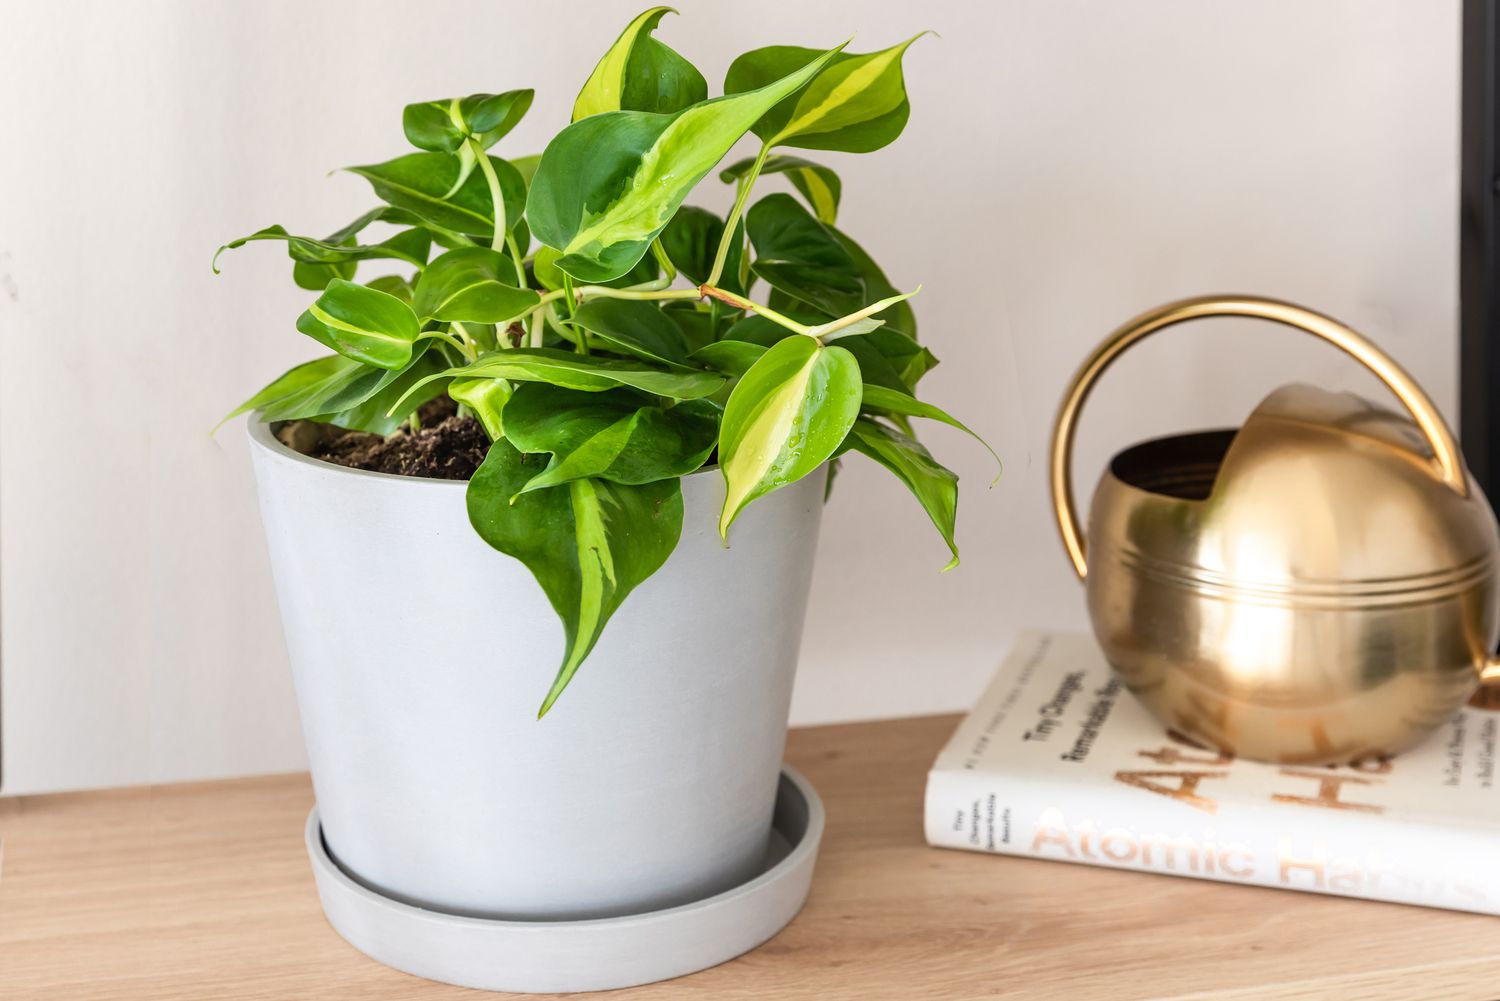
{"x": 1317, "y": 586}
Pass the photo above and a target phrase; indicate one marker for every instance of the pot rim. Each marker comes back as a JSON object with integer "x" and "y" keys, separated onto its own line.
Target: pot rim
{"x": 260, "y": 433}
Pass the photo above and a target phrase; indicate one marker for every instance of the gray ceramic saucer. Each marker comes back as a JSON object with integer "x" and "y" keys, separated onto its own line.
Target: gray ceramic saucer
{"x": 590, "y": 955}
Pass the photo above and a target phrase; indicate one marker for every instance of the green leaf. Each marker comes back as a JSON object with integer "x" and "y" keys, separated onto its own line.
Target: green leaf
{"x": 340, "y": 388}
{"x": 429, "y": 186}
{"x": 890, "y": 359}
{"x": 898, "y": 317}
{"x": 887, "y": 402}
{"x": 759, "y": 330}
{"x": 290, "y": 383}
{"x": 634, "y": 327}
{"x": 372, "y": 413}
{"x": 487, "y": 398}
{"x": 638, "y": 73}
{"x": 730, "y": 357}
{"x": 443, "y": 125}
{"x": 856, "y": 103}
{"x": 699, "y": 323}
{"x": 315, "y": 277}
{"x": 362, "y": 323}
{"x": 339, "y": 391}
{"x": 474, "y": 285}
{"x": 614, "y": 435}
{"x": 818, "y": 184}
{"x": 409, "y": 245}
{"x": 393, "y": 285}
{"x": 785, "y": 418}
{"x": 608, "y": 184}
{"x": 588, "y": 373}
{"x": 544, "y": 267}
{"x": 934, "y": 486}
{"x": 526, "y": 166}
{"x": 589, "y": 544}
{"x": 801, "y": 257}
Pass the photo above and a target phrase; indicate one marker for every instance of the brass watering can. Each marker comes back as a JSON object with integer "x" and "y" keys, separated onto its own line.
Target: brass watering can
{"x": 1319, "y": 586}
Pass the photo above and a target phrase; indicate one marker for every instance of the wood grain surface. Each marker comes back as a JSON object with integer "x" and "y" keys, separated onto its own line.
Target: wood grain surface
{"x": 202, "y": 891}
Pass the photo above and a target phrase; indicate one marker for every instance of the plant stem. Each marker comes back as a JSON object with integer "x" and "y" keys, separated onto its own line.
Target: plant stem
{"x": 823, "y": 329}
{"x": 739, "y": 302}
{"x": 469, "y": 345}
{"x": 447, "y": 338}
{"x": 660, "y": 254}
{"x": 497, "y": 200}
{"x": 515, "y": 255}
{"x": 747, "y": 182}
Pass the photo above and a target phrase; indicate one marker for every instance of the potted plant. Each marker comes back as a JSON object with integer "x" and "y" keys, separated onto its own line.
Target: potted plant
{"x": 587, "y": 390}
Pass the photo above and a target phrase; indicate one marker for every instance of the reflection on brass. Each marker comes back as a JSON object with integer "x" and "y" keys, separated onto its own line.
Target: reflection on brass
{"x": 1316, "y": 587}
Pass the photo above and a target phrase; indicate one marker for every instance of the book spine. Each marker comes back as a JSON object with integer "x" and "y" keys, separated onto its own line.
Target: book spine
{"x": 1308, "y": 847}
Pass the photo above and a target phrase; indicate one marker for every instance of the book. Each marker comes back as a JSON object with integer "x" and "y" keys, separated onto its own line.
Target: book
{"x": 1058, "y": 761}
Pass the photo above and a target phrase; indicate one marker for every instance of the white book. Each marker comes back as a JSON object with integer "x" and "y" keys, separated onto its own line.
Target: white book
{"x": 1058, "y": 761}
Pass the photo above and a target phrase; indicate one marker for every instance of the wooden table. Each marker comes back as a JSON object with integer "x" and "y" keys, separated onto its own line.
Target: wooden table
{"x": 202, "y": 891}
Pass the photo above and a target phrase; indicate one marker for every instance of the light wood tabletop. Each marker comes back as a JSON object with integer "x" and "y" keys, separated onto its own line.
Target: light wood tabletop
{"x": 202, "y": 891}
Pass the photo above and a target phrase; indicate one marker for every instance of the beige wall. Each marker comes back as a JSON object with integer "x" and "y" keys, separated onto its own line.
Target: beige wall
{"x": 1067, "y": 164}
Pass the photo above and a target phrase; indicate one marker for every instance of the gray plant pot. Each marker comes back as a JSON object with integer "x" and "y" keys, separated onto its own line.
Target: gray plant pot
{"x": 420, "y": 656}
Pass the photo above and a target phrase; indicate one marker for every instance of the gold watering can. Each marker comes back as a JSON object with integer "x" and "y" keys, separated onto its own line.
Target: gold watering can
{"x": 1317, "y": 587}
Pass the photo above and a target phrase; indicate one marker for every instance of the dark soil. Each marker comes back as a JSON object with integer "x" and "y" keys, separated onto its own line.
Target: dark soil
{"x": 445, "y": 447}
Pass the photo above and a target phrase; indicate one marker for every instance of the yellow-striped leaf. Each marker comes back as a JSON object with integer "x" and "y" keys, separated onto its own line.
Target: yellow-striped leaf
{"x": 472, "y": 285}
{"x": 856, "y": 104}
{"x": 638, "y": 73}
{"x": 787, "y": 415}
{"x": 362, "y": 323}
{"x": 608, "y": 184}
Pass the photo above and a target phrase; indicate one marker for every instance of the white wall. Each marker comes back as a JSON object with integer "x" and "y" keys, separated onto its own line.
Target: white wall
{"x": 1067, "y": 165}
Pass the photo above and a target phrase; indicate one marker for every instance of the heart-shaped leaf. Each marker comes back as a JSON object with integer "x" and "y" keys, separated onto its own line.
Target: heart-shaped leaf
{"x": 818, "y": 184}
{"x": 429, "y": 185}
{"x": 856, "y": 104}
{"x": 785, "y": 418}
{"x": 589, "y": 543}
{"x": 615, "y": 435}
{"x": 638, "y": 73}
{"x": 362, "y": 323}
{"x": 801, "y": 257}
{"x": 933, "y": 485}
{"x": 443, "y": 125}
{"x": 635, "y": 328}
{"x": 474, "y": 285}
{"x": 609, "y": 183}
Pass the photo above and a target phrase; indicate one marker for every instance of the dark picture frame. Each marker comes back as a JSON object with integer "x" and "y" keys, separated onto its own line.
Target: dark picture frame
{"x": 1479, "y": 243}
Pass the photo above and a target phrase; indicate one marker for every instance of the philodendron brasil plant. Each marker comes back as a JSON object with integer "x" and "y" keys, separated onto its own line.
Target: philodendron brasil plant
{"x": 612, "y": 339}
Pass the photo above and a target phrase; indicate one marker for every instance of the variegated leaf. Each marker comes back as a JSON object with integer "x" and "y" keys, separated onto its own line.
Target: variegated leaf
{"x": 609, "y": 183}
{"x": 786, "y": 416}
{"x": 638, "y": 73}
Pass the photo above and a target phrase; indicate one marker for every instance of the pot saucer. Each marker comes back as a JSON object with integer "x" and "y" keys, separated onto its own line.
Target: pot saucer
{"x": 584, "y": 955}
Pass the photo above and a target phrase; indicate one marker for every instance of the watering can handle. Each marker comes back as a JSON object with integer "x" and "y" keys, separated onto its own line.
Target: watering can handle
{"x": 1449, "y": 463}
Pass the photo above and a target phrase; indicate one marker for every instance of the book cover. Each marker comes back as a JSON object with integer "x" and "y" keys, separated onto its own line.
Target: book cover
{"x": 1058, "y": 761}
